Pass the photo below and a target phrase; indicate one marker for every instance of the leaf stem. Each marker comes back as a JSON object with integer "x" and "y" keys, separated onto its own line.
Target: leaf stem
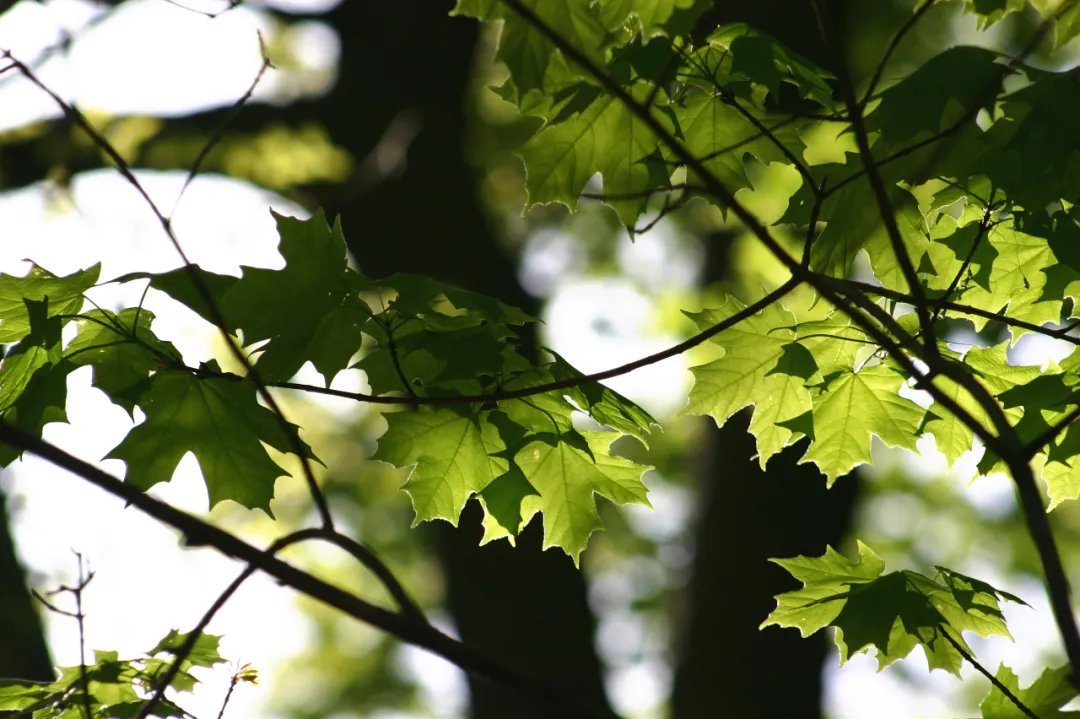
{"x": 505, "y": 394}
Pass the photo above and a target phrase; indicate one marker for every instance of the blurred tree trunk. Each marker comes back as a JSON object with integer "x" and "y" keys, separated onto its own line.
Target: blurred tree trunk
{"x": 522, "y": 605}
{"x": 23, "y": 652}
{"x": 725, "y": 666}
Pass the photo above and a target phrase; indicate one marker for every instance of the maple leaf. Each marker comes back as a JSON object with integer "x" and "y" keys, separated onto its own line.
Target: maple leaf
{"x": 892, "y": 613}
{"x": 64, "y": 296}
{"x": 760, "y": 367}
{"x": 218, "y": 420}
{"x": 1044, "y": 697}
{"x": 122, "y": 350}
{"x": 595, "y": 133}
{"x": 648, "y": 17}
{"x": 525, "y": 50}
{"x": 568, "y": 470}
{"x": 33, "y": 377}
{"x": 853, "y": 406}
{"x": 306, "y": 311}
{"x": 452, "y": 455}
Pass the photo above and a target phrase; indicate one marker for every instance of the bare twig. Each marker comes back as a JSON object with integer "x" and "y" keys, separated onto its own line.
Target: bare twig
{"x": 76, "y": 591}
{"x": 226, "y": 121}
{"x": 361, "y": 553}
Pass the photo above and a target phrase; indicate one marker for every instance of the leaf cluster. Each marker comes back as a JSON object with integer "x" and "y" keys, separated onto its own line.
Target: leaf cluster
{"x": 111, "y": 687}
{"x": 423, "y": 345}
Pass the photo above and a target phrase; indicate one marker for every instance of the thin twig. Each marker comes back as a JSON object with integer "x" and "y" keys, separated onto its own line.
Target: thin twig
{"x": 641, "y": 194}
{"x": 79, "y": 616}
{"x": 1024, "y": 709}
{"x": 1058, "y": 334}
{"x": 367, "y": 557}
{"x": 980, "y": 233}
{"x": 226, "y": 121}
{"x": 894, "y": 42}
{"x": 811, "y": 228}
{"x": 1034, "y": 446}
{"x": 181, "y": 653}
{"x": 728, "y": 98}
{"x": 505, "y": 394}
{"x": 360, "y": 552}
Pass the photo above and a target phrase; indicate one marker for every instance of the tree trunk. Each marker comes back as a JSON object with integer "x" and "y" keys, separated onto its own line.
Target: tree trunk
{"x": 726, "y": 666}
{"x": 522, "y": 606}
{"x": 23, "y": 653}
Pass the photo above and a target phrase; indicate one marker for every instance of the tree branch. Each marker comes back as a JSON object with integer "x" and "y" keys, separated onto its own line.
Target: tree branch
{"x": 197, "y": 532}
{"x": 1011, "y": 449}
{"x": 877, "y": 184}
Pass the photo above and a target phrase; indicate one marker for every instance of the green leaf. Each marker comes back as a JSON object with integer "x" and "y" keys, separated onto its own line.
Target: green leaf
{"x": 452, "y": 453}
{"x": 949, "y": 88}
{"x": 41, "y": 401}
{"x": 953, "y": 436}
{"x": 203, "y": 654}
{"x": 116, "y": 687}
{"x": 525, "y": 50}
{"x": 1066, "y": 18}
{"x": 1045, "y": 697}
{"x": 648, "y": 17}
{"x": 763, "y": 60}
{"x": 221, "y": 423}
{"x": 64, "y": 296}
{"x": 853, "y": 406}
{"x": 308, "y": 311}
{"x": 760, "y": 367}
{"x": 122, "y": 350}
{"x": 502, "y": 500}
{"x": 722, "y": 136}
{"x": 440, "y": 338}
{"x": 567, "y": 470}
{"x": 190, "y": 286}
{"x": 604, "y": 404}
{"x": 853, "y": 222}
{"x": 595, "y": 133}
{"x": 1005, "y": 271}
{"x": 38, "y": 348}
{"x": 1031, "y": 155}
{"x": 893, "y": 613}
{"x": 992, "y": 11}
